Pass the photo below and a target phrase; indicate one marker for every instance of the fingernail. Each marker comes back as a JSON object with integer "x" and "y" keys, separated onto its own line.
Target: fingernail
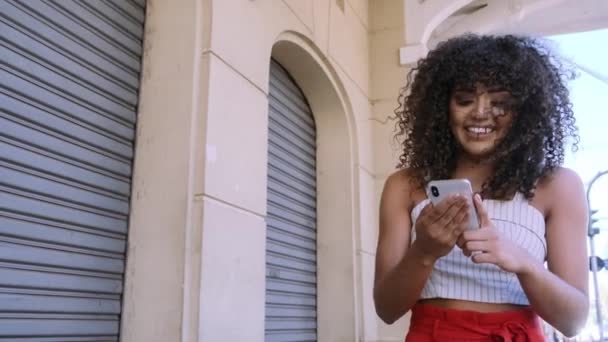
{"x": 478, "y": 197}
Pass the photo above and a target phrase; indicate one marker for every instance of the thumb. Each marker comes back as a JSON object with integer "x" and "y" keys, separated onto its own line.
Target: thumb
{"x": 484, "y": 219}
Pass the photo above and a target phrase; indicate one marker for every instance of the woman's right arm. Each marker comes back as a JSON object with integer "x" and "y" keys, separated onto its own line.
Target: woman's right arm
{"x": 402, "y": 270}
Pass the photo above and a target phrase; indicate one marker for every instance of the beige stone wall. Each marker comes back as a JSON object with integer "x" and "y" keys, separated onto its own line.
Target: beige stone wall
{"x": 387, "y": 78}
{"x": 163, "y": 255}
{"x": 196, "y": 257}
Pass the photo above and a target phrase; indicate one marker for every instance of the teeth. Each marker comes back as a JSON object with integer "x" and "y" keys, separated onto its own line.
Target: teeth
{"x": 480, "y": 130}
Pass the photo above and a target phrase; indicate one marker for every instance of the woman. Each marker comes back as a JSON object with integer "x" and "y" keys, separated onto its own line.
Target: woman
{"x": 494, "y": 110}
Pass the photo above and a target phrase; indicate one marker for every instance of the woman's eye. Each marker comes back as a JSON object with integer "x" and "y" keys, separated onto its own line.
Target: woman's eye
{"x": 504, "y": 105}
{"x": 499, "y": 106}
{"x": 498, "y": 111}
{"x": 464, "y": 102}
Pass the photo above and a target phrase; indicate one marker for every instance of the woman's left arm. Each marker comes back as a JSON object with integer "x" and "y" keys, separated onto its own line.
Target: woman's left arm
{"x": 559, "y": 294}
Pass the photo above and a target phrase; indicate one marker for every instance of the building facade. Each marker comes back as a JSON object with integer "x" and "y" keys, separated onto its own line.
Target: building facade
{"x": 201, "y": 170}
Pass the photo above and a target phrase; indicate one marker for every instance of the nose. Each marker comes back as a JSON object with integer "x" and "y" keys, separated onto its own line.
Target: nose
{"x": 484, "y": 106}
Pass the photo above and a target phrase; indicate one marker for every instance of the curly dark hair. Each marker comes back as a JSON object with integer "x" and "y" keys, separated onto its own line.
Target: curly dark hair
{"x": 543, "y": 117}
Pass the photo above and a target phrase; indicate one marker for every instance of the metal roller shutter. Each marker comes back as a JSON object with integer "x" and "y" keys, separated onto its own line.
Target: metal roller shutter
{"x": 69, "y": 79}
{"x": 291, "y": 248}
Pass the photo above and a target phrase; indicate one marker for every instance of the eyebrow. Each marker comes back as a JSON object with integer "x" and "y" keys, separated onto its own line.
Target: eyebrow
{"x": 472, "y": 90}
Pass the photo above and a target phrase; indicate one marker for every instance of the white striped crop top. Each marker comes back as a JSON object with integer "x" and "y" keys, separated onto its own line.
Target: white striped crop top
{"x": 455, "y": 276}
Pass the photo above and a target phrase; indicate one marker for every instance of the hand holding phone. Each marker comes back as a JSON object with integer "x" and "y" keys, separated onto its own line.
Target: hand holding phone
{"x": 439, "y": 227}
{"x": 438, "y": 190}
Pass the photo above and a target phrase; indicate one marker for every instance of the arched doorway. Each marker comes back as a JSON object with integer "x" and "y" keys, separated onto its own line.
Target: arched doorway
{"x": 336, "y": 186}
{"x": 291, "y": 222}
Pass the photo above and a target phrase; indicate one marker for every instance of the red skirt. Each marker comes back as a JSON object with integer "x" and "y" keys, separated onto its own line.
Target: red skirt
{"x": 434, "y": 324}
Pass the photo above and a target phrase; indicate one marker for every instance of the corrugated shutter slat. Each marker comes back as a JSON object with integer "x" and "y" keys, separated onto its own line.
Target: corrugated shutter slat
{"x": 69, "y": 83}
{"x": 291, "y": 247}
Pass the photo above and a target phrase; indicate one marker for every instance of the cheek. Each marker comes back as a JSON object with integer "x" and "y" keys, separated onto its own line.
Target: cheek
{"x": 505, "y": 124}
{"x": 457, "y": 117}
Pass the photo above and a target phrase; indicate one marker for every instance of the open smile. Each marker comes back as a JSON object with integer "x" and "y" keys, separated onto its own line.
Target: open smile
{"x": 479, "y": 132}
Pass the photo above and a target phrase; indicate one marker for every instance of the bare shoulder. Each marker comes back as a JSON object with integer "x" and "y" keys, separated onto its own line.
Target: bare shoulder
{"x": 400, "y": 186}
{"x": 564, "y": 187}
{"x": 562, "y": 181}
{"x": 400, "y": 178}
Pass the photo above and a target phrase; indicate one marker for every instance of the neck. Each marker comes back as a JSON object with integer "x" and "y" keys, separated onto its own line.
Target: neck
{"x": 475, "y": 171}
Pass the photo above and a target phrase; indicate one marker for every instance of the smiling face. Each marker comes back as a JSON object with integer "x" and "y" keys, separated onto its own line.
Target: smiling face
{"x": 480, "y": 118}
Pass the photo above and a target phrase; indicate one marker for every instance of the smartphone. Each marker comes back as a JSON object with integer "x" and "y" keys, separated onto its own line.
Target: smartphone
{"x": 438, "y": 190}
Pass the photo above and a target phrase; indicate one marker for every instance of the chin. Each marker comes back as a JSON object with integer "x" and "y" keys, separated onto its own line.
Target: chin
{"x": 478, "y": 153}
